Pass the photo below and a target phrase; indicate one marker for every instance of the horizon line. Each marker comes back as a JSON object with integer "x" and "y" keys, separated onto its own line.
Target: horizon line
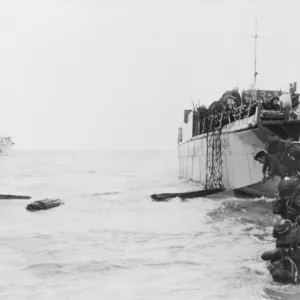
{"x": 107, "y": 150}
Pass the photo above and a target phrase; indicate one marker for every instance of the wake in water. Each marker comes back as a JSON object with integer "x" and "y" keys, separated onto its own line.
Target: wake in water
{"x": 255, "y": 211}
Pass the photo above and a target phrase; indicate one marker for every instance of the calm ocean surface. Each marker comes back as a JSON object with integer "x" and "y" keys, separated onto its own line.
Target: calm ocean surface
{"x": 109, "y": 241}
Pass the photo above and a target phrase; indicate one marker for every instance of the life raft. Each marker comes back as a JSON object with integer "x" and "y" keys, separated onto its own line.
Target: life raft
{"x": 44, "y": 204}
{"x": 186, "y": 195}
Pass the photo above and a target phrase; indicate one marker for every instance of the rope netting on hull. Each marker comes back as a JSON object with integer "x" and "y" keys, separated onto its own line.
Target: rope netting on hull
{"x": 214, "y": 161}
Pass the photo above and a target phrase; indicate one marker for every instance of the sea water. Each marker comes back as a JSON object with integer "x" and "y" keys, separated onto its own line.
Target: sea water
{"x": 110, "y": 241}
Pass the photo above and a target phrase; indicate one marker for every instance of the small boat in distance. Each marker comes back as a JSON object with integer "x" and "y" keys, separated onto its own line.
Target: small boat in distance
{"x": 5, "y": 144}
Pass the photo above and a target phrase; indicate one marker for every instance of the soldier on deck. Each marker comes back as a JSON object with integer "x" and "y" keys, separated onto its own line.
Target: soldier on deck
{"x": 274, "y": 104}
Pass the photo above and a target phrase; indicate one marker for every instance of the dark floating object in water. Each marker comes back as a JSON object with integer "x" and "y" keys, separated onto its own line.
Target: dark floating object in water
{"x": 187, "y": 195}
{"x": 3, "y": 196}
{"x": 44, "y": 204}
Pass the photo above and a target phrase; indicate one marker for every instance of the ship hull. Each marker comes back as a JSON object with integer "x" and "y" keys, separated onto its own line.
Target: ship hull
{"x": 240, "y": 172}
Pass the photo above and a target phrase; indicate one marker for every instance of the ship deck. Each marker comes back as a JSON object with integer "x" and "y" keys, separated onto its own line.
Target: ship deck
{"x": 285, "y": 129}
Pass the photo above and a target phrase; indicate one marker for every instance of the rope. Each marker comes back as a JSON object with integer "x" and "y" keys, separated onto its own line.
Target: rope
{"x": 294, "y": 272}
{"x": 214, "y": 161}
{"x": 294, "y": 269}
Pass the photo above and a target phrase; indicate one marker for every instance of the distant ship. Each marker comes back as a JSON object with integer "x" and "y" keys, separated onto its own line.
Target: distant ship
{"x": 5, "y": 145}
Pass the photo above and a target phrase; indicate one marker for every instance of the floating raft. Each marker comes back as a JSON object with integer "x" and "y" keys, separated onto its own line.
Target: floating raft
{"x": 3, "y": 196}
{"x": 44, "y": 204}
{"x": 187, "y": 195}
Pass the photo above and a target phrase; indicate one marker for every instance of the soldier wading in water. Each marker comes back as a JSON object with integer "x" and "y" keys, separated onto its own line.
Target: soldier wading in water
{"x": 283, "y": 262}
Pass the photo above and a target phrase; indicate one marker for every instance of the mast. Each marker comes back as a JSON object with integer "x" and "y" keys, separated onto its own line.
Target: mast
{"x": 255, "y": 52}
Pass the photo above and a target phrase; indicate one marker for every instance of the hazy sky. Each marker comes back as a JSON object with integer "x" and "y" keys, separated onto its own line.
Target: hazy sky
{"x": 117, "y": 74}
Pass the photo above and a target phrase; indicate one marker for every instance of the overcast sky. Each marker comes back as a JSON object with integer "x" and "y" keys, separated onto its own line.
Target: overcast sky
{"x": 117, "y": 74}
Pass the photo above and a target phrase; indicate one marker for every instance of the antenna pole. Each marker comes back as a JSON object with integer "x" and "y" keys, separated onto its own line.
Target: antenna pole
{"x": 255, "y": 51}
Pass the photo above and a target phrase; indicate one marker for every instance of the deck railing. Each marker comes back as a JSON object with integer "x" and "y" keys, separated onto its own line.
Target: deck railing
{"x": 244, "y": 111}
{"x": 225, "y": 117}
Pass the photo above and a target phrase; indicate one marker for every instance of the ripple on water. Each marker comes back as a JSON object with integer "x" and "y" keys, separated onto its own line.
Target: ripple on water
{"x": 110, "y": 241}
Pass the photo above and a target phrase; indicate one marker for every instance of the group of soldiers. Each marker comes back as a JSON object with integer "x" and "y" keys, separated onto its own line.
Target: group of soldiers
{"x": 283, "y": 262}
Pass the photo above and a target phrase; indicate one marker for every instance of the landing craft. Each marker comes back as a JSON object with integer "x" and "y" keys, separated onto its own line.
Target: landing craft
{"x": 218, "y": 150}
{"x": 216, "y": 146}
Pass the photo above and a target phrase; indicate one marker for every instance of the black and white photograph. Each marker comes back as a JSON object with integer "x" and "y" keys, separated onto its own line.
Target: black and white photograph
{"x": 149, "y": 150}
